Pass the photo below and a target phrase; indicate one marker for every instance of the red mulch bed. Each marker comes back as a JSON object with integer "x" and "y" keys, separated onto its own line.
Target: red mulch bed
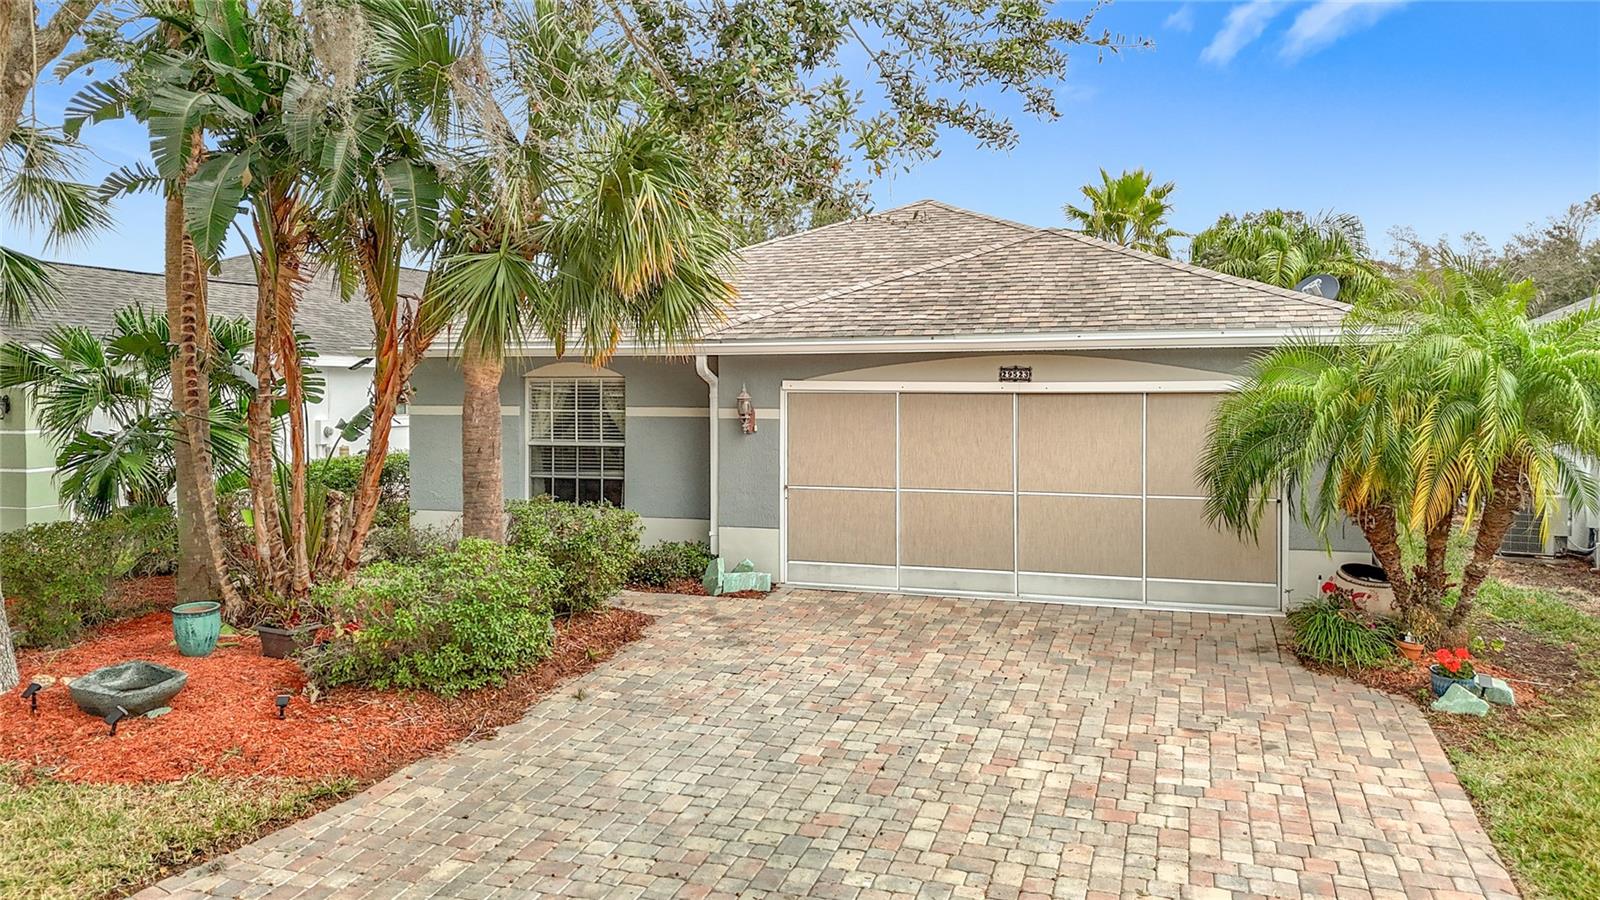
{"x": 224, "y": 721}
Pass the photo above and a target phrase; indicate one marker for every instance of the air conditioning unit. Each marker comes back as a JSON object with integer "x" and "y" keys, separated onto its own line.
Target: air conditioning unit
{"x": 1523, "y": 537}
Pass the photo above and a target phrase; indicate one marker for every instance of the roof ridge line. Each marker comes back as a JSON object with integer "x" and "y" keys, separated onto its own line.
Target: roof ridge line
{"x": 926, "y": 201}
{"x": 874, "y": 282}
{"x": 1191, "y": 268}
{"x": 998, "y": 220}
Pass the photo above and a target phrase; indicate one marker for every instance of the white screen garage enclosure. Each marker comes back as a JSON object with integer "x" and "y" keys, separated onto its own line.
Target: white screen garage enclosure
{"x": 1033, "y": 491}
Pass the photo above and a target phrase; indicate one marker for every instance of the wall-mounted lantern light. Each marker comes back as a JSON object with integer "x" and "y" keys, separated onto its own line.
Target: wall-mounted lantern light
{"x": 747, "y": 411}
{"x": 5, "y": 406}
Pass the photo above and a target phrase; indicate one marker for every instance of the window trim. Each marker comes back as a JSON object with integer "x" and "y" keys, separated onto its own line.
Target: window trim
{"x": 564, "y": 375}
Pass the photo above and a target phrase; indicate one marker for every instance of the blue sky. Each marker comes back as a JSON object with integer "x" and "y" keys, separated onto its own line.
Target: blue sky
{"x": 1448, "y": 117}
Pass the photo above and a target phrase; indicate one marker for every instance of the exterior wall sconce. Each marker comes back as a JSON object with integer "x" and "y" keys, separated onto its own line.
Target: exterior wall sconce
{"x": 5, "y": 407}
{"x": 747, "y": 411}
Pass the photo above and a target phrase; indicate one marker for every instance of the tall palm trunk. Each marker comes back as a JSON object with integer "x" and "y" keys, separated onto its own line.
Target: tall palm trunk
{"x": 202, "y": 571}
{"x": 270, "y": 561}
{"x": 1505, "y": 499}
{"x": 294, "y": 395}
{"x": 483, "y": 513}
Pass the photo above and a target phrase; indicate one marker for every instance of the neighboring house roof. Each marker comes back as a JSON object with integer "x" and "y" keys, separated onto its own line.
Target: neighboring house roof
{"x": 932, "y": 270}
{"x": 91, "y": 296}
{"x": 1560, "y": 313}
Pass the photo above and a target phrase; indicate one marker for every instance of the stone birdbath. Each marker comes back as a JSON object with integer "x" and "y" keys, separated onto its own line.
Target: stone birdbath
{"x": 136, "y": 686}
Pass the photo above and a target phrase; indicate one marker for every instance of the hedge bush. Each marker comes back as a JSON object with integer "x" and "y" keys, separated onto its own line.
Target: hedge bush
{"x": 592, "y": 547}
{"x": 662, "y": 563}
{"x": 458, "y": 621}
{"x": 405, "y": 543}
{"x": 60, "y": 575}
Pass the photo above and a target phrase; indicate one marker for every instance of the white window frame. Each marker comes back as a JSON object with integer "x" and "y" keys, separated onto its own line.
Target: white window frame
{"x": 605, "y": 383}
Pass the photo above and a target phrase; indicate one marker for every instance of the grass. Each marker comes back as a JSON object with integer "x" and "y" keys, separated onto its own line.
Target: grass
{"x": 1537, "y": 786}
{"x": 94, "y": 840}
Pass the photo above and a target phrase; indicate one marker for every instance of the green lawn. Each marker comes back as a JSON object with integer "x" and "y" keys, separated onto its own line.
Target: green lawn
{"x": 1538, "y": 785}
{"x": 83, "y": 841}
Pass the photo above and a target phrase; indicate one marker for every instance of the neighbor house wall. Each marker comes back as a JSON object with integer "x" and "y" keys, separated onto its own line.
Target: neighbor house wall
{"x": 666, "y": 475}
{"x": 27, "y": 469}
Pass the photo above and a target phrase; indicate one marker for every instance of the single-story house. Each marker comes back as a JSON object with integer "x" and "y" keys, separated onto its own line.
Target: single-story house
{"x": 943, "y": 402}
{"x": 91, "y": 296}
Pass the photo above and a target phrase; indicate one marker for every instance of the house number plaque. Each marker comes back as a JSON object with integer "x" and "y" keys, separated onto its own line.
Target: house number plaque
{"x": 1016, "y": 374}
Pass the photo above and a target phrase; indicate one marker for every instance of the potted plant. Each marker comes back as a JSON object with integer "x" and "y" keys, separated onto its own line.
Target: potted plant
{"x": 1451, "y": 667}
{"x": 1410, "y": 646}
{"x": 285, "y": 633}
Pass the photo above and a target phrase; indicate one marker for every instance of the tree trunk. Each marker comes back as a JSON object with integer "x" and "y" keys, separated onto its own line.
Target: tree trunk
{"x": 1377, "y": 523}
{"x": 270, "y": 561}
{"x": 388, "y": 382}
{"x": 9, "y": 676}
{"x": 202, "y": 571}
{"x": 1505, "y": 498}
{"x": 483, "y": 508}
{"x": 295, "y": 396}
{"x": 1431, "y": 580}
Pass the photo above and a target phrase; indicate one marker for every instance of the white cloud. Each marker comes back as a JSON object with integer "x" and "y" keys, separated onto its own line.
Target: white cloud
{"x": 1326, "y": 21}
{"x": 1244, "y": 24}
{"x": 1182, "y": 18}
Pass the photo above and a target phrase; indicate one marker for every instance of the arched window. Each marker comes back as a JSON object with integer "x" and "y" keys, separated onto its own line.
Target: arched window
{"x": 576, "y": 433}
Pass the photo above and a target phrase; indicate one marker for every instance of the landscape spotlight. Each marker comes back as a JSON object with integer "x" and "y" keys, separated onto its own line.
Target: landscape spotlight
{"x": 115, "y": 716}
{"x": 31, "y": 694}
{"x": 283, "y": 703}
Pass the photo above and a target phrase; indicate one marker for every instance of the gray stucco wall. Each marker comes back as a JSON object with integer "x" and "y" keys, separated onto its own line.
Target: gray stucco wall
{"x": 666, "y": 474}
{"x": 667, "y": 471}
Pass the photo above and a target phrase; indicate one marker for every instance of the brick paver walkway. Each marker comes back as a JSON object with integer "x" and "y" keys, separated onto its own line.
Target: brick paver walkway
{"x": 841, "y": 745}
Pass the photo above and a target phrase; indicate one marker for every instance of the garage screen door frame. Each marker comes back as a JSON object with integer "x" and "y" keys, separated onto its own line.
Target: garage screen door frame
{"x": 871, "y": 488}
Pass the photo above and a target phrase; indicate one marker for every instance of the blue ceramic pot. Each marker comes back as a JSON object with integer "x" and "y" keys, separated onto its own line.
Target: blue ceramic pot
{"x": 1442, "y": 681}
{"x": 197, "y": 627}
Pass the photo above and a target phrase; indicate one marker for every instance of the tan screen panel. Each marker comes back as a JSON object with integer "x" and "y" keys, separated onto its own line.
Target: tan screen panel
{"x": 841, "y": 440}
{"x": 958, "y": 441}
{"x": 1082, "y": 443}
{"x": 956, "y": 531}
{"x": 1079, "y": 535}
{"x": 1182, "y": 544}
{"x": 1178, "y": 426}
{"x": 841, "y": 526}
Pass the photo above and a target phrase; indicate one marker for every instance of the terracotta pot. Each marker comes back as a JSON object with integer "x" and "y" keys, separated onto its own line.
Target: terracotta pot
{"x": 1410, "y": 650}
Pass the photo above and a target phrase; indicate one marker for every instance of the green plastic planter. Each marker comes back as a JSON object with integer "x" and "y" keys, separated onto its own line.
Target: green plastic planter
{"x": 197, "y": 626}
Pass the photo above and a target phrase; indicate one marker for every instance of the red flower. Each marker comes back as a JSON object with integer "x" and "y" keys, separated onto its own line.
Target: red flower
{"x": 1452, "y": 660}
{"x": 1329, "y": 587}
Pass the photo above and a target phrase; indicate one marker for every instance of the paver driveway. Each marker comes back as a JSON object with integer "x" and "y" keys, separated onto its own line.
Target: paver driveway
{"x": 843, "y": 745}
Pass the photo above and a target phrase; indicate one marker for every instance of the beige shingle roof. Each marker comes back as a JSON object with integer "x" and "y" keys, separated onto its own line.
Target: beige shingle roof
{"x": 928, "y": 269}
{"x": 91, "y": 296}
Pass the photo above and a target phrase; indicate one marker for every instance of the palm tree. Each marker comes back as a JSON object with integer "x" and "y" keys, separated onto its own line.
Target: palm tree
{"x": 1458, "y": 413}
{"x": 1282, "y": 247}
{"x": 156, "y": 63}
{"x": 78, "y": 379}
{"x": 584, "y": 227}
{"x": 1129, "y": 210}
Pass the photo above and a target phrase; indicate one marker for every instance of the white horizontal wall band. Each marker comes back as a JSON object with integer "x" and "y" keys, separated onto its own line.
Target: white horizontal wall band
{"x": 665, "y": 412}
{"x": 1030, "y": 387}
{"x": 31, "y": 508}
{"x": 22, "y": 431}
{"x": 33, "y": 471}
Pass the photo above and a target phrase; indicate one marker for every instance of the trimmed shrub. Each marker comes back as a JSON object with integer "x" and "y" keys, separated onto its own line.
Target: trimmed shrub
{"x": 343, "y": 473}
{"x": 662, "y": 563}
{"x": 406, "y": 544}
{"x": 60, "y": 575}
{"x": 458, "y": 621}
{"x": 1332, "y": 631}
{"x": 592, "y": 547}
{"x": 147, "y": 537}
